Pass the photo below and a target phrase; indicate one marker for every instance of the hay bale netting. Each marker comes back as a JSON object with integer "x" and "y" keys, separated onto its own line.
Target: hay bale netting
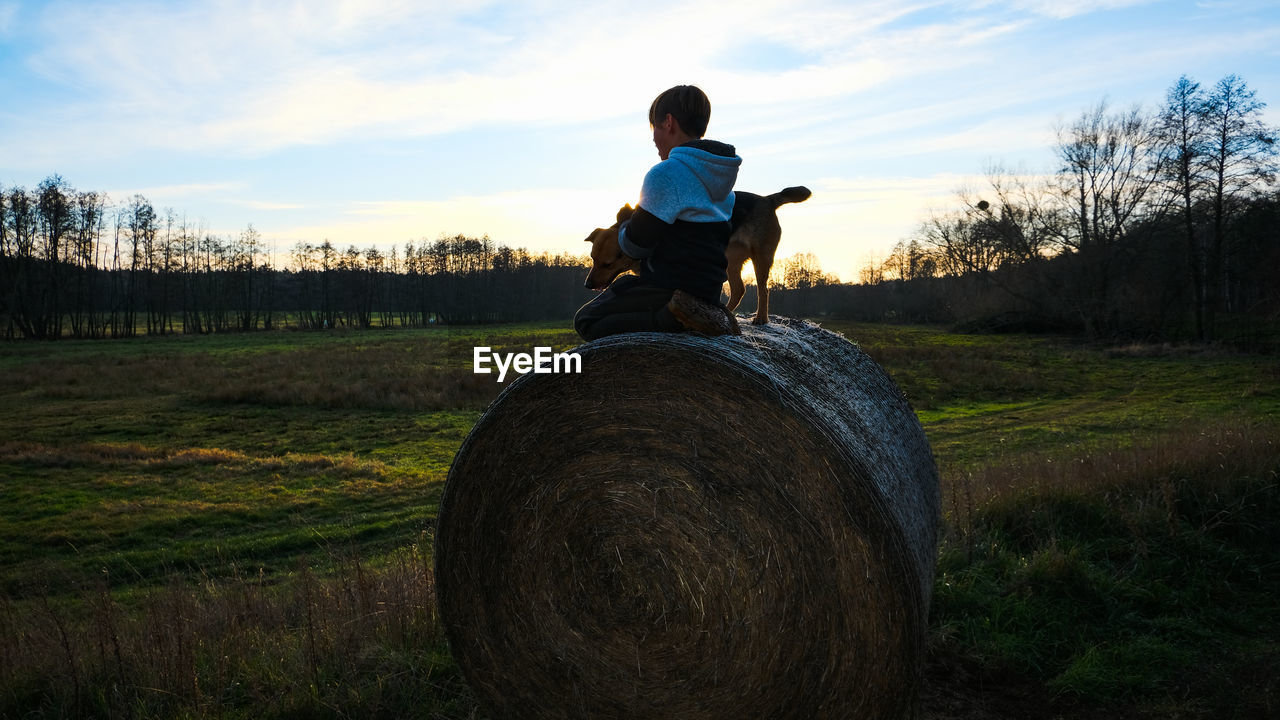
{"x": 732, "y": 527}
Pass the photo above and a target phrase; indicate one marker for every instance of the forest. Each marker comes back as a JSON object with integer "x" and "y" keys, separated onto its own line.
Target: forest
{"x": 1156, "y": 225}
{"x": 73, "y": 265}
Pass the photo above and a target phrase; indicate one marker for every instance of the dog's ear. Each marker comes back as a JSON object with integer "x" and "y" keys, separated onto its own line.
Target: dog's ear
{"x": 625, "y": 213}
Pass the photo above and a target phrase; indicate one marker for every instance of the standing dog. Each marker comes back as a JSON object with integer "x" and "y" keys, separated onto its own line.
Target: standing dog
{"x": 754, "y": 235}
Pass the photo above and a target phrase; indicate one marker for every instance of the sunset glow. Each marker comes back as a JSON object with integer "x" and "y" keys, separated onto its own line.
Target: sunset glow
{"x": 380, "y": 123}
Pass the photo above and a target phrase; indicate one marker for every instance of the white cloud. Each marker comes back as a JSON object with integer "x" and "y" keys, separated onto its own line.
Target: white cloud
{"x": 250, "y": 77}
{"x": 163, "y": 194}
{"x": 284, "y": 87}
{"x": 263, "y": 205}
{"x": 544, "y": 220}
{"x": 254, "y": 77}
{"x": 1005, "y": 133}
{"x": 1063, "y": 9}
{"x": 238, "y": 75}
{"x": 8, "y": 17}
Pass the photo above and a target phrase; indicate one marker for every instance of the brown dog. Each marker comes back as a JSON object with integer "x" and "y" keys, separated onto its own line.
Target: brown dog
{"x": 754, "y": 235}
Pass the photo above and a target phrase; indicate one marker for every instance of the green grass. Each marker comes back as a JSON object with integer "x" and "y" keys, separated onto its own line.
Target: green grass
{"x": 985, "y": 397}
{"x": 1110, "y": 516}
{"x": 263, "y": 503}
{"x": 173, "y": 453}
{"x": 1143, "y": 575}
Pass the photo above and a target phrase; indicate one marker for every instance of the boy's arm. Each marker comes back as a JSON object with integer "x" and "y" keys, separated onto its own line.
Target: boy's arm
{"x": 638, "y": 236}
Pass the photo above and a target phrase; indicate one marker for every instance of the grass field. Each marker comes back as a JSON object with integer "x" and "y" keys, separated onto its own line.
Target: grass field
{"x": 239, "y": 526}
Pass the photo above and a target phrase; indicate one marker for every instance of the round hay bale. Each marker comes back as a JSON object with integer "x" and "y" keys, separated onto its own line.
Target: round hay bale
{"x": 727, "y": 527}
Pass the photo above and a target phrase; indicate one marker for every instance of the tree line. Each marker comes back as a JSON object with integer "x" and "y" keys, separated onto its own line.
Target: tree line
{"x": 1161, "y": 224}
{"x": 72, "y": 264}
{"x": 1156, "y": 224}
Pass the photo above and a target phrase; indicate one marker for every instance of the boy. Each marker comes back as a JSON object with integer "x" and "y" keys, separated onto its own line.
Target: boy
{"x": 678, "y": 232}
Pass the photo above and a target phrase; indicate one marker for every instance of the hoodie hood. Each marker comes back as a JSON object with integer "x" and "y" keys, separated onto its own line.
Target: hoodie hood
{"x": 695, "y": 183}
{"x": 715, "y": 147}
{"x": 715, "y": 164}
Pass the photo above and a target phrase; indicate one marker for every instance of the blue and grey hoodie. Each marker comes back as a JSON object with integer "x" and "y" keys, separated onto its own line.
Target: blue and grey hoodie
{"x": 681, "y": 228}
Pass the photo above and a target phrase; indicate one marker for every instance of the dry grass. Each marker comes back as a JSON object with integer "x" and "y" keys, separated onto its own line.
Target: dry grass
{"x": 368, "y": 388}
{"x": 385, "y": 378}
{"x": 138, "y": 456}
{"x": 363, "y": 639}
{"x": 393, "y": 372}
{"x": 118, "y": 452}
{"x": 936, "y": 374}
{"x": 1149, "y": 471}
{"x": 1138, "y": 575}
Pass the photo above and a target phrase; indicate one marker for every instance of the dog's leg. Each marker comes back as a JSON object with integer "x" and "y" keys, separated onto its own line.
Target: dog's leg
{"x": 737, "y": 256}
{"x": 762, "y": 266}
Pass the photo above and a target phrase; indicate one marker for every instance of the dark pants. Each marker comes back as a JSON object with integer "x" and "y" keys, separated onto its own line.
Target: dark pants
{"x": 627, "y": 305}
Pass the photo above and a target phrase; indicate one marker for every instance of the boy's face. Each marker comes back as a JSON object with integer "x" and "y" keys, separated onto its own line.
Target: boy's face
{"x": 667, "y": 134}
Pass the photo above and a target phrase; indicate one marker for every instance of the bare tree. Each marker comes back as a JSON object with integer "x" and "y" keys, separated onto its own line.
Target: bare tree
{"x": 8, "y": 265}
{"x": 909, "y": 260}
{"x": 1183, "y": 128}
{"x": 1108, "y": 177}
{"x": 1021, "y": 213}
{"x": 54, "y": 207}
{"x": 165, "y": 264}
{"x": 140, "y": 221}
{"x": 244, "y": 264}
{"x": 89, "y": 217}
{"x": 802, "y": 270}
{"x": 1241, "y": 160}
{"x": 1107, "y": 172}
{"x": 961, "y": 243}
{"x": 11, "y": 263}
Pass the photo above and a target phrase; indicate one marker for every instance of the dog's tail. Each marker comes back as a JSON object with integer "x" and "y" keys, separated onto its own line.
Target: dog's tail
{"x": 795, "y": 194}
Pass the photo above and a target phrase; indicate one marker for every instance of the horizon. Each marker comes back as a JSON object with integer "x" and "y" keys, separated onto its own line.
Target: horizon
{"x": 378, "y": 124}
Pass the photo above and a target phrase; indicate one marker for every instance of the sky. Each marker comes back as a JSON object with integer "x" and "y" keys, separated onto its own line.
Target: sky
{"x": 381, "y": 122}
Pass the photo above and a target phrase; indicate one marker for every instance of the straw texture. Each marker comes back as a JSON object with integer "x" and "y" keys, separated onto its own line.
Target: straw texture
{"x": 693, "y": 527}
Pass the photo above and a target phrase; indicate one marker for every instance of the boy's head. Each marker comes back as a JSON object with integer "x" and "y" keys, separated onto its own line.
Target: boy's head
{"x": 687, "y": 104}
{"x": 689, "y": 111}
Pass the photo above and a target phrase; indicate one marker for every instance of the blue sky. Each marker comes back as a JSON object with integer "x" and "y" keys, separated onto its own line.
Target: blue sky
{"x": 379, "y": 122}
